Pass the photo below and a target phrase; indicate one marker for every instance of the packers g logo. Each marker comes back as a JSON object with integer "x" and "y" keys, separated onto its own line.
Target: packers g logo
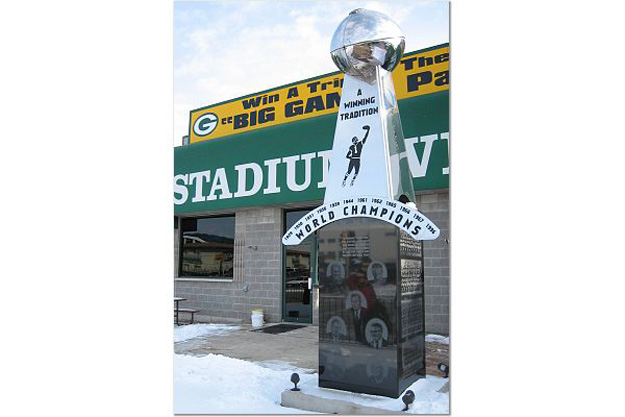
{"x": 205, "y": 124}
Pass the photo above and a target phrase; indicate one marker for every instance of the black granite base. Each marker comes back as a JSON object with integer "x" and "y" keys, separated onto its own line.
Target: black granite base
{"x": 371, "y": 310}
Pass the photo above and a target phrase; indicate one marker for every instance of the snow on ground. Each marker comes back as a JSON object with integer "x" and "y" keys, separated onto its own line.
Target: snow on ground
{"x": 427, "y": 399}
{"x": 437, "y": 338}
{"x": 182, "y": 333}
{"x": 283, "y": 366}
{"x": 217, "y": 384}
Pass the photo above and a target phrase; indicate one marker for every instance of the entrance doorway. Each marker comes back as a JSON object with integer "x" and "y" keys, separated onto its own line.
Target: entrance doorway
{"x": 300, "y": 271}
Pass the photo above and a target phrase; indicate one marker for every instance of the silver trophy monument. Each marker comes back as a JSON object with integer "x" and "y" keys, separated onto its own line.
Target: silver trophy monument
{"x": 369, "y": 231}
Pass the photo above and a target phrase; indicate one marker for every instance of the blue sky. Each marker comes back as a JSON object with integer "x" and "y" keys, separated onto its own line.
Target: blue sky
{"x": 227, "y": 49}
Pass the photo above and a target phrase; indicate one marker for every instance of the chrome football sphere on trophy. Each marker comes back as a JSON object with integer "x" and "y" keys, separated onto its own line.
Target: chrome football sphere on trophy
{"x": 364, "y": 40}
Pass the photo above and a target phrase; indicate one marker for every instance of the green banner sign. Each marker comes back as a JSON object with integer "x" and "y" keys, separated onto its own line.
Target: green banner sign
{"x": 288, "y": 163}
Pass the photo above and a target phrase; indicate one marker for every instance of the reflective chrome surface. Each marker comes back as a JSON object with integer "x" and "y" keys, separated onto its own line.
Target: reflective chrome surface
{"x": 365, "y": 39}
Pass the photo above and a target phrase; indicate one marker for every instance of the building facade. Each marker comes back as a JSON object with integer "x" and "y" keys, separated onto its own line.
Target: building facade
{"x": 257, "y": 164}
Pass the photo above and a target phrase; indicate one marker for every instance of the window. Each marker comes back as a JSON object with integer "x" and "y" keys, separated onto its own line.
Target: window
{"x": 207, "y": 247}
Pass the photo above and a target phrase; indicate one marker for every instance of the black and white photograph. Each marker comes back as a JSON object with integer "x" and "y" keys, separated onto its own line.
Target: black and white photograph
{"x": 377, "y": 273}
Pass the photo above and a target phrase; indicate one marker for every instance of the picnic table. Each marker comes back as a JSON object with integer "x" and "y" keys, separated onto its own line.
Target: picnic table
{"x": 178, "y": 310}
{"x": 177, "y": 301}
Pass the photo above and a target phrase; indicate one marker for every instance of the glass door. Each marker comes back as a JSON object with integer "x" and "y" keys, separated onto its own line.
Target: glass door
{"x": 300, "y": 269}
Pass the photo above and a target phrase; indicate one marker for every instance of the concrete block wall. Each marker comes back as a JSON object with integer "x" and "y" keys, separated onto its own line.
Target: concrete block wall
{"x": 436, "y": 254}
{"x": 262, "y": 229}
{"x": 257, "y": 281}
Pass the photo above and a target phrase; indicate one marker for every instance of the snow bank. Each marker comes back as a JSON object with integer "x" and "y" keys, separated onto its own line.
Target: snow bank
{"x": 283, "y": 366}
{"x": 216, "y": 384}
{"x": 436, "y": 338}
{"x": 182, "y": 333}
